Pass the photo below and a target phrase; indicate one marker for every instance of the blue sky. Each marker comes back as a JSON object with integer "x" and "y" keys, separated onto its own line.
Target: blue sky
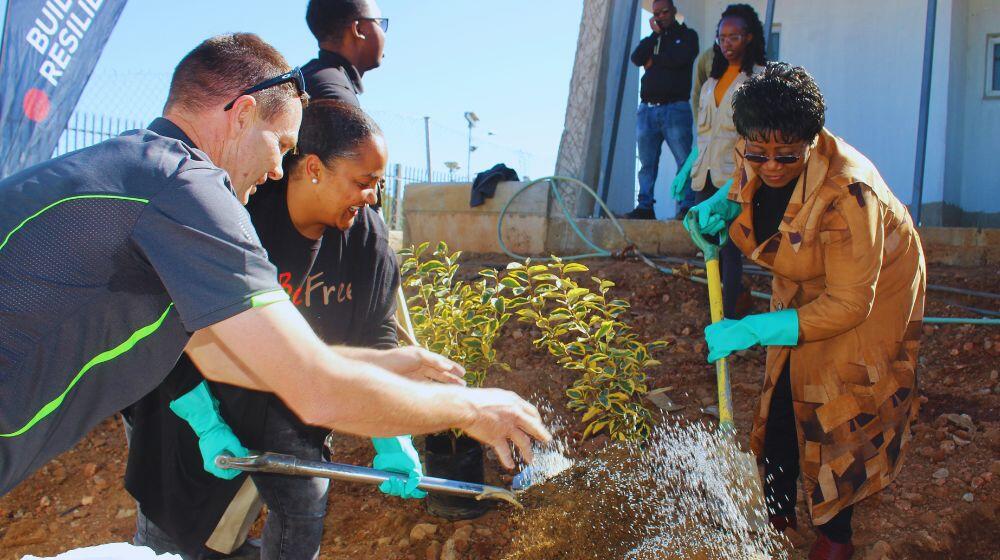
{"x": 510, "y": 62}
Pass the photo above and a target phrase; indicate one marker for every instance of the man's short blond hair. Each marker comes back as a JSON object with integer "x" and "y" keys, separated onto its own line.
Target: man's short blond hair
{"x": 220, "y": 68}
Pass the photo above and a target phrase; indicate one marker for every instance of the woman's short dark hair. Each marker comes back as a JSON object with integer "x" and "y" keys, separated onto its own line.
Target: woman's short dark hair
{"x": 783, "y": 100}
{"x": 756, "y": 53}
{"x": 328, "y": 18}
{"x": 221, "y": 67}
{"x": 331, "y": 130}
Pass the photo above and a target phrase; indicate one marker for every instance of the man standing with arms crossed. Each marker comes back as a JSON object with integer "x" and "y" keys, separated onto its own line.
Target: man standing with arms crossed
{"x": 664, "y": 114}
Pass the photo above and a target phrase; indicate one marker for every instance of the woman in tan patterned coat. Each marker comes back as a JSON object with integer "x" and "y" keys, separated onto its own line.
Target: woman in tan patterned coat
{"x": 843, "y": 333}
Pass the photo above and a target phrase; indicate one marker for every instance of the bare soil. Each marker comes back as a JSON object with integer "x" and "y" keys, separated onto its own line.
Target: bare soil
{"x": 943, "y": 505}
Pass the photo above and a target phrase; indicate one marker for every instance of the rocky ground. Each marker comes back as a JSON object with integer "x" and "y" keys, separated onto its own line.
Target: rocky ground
{"x": 943, "y": 505}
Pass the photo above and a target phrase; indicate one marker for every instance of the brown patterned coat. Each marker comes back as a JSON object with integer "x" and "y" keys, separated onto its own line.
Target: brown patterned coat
{"x": 848, "y": 258}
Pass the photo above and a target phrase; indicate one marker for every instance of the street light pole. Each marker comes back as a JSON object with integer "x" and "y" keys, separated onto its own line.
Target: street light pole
{"x": 472, "y": 119}
{"x": 427, "y": 141}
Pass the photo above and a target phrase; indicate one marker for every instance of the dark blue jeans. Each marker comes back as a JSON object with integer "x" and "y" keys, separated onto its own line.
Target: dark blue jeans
{"x": 149, "y": 535}
{"x": 655, "y": 124}
{"x": 296, "y": 505}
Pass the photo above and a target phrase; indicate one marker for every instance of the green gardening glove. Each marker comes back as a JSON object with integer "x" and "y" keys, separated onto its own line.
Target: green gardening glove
{"x": 779, "y": 328}
{"x": 683, "y": 174}
{"x": 717, "y": 212}
{"x": 201, "y": 411}
{"x": 397, "y": 454}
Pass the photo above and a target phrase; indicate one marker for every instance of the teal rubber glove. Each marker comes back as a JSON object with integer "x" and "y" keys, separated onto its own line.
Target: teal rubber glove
{"x": 780, "y": 328}
{"x": 397, "y": 454}
{"x": 683, "y": 174}
{"x": 717, "y": 212}
{"x": 201, "y": 411}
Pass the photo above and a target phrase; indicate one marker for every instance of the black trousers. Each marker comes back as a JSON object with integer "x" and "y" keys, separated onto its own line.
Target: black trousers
{"x": 730, "y": 260}
{"x": 781, "y": 463}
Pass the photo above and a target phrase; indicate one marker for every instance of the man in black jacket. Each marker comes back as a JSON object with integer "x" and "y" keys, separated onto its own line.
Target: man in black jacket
{"x": 351, "y": 37}
{"x": 668, "y": 56}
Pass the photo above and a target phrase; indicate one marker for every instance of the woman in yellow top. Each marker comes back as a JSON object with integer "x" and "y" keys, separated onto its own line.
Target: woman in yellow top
{"x": 840, "y": 386}
{"x": 739, "y": 53}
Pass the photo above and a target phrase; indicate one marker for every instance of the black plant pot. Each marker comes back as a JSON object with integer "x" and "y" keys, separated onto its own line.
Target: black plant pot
{"x": 455, "y": 459}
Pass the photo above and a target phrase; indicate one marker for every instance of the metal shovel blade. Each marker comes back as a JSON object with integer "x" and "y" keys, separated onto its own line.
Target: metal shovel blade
{"x": 276, "y": 463}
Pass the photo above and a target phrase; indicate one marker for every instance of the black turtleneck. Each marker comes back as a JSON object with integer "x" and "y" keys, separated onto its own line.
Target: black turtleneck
{"x": 769, "y": 204}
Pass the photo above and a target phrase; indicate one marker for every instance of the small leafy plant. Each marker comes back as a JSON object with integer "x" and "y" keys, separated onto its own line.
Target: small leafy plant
{"x": 580, "y": 327}
{"x": 585, "y": 332}
{"x": 459, "y": 320}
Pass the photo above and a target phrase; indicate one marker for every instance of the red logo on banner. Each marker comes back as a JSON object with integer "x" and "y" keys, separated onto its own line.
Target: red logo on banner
{"x": 36, "y": 105}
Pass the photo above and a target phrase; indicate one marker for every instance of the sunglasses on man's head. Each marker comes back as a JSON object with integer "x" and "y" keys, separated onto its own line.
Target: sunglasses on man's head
{"x": 294, "y": 75}
{"x": 381, "y": 21}
{"x": 781, "y": 159}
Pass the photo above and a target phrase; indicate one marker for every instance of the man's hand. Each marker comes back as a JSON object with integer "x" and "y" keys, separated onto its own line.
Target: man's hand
{"x": 413, "y": 362}
{"x": 654, "y": 24}
{"x": 501, "y": 418}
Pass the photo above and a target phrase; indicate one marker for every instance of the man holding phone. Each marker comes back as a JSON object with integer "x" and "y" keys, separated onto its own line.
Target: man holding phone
{"x": 668, "y": 56}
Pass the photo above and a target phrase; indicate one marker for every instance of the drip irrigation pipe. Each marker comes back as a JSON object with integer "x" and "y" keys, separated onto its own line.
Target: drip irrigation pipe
{"x": 759, "y": 271}
{"x": 632, "y": 247}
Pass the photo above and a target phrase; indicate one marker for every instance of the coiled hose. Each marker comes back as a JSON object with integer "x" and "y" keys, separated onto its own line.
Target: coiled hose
{"x": 601, "y": 252}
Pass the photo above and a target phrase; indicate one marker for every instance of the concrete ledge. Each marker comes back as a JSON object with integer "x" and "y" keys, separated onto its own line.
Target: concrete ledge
{"x": 440, "y": 212}
{"x": 961, "y": 246}
{"x": 653, "y": 237}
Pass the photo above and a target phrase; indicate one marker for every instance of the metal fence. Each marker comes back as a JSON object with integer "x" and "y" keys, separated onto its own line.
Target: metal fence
{"x": 86, "y": 129}
{"x": 397, "y": 176}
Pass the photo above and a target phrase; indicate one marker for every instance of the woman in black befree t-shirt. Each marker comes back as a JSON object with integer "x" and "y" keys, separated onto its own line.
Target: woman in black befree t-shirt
{"x": 333, "y": 258}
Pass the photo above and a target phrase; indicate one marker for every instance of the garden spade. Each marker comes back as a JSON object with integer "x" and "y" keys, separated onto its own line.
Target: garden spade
{"x": 276, "y": 463}
{"x": 744, "y": 463}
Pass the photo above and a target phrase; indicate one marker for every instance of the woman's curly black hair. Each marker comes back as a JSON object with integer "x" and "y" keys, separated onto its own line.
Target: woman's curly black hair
{"x": 755, "y": 53}
{"x": 783, "y": 100}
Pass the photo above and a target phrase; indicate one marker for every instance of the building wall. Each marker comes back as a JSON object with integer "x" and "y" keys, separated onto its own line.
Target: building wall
{"x": 593, "y": 101}
{"x": 868, "y": 59}
{"x": 978, "y": 148}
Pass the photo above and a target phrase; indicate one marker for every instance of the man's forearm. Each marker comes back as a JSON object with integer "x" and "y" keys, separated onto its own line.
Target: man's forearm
{"x": 363, "y": 354}
{"x": 373, "y": 402}
{"x": 273, "y": 349}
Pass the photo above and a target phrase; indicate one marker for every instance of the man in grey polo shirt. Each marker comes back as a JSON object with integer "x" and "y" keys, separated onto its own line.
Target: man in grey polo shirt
{"x": 116, "y": 258}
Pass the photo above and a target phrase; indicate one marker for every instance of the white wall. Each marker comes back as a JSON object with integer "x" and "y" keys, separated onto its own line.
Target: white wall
{"x": 868, "y": 59}
{"x": 979, "y": 148}
{"x": 939, "y": 185}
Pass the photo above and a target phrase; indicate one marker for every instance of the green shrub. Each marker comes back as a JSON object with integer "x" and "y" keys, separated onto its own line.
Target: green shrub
{"x": 459, "y": 320}
{"x": 585, "y": 332}
{"x": 580, "y": 328}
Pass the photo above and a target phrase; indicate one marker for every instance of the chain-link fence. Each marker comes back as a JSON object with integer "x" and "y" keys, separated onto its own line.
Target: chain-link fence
{"x": 115, "y": 102}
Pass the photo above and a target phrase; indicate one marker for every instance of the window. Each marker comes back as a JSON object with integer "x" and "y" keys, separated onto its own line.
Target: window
{"x": 774, "y": 46}
{"x": 993, "y": 65}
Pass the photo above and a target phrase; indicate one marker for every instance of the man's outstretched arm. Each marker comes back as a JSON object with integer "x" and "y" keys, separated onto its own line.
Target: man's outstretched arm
{"x": 272, "y": 348}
